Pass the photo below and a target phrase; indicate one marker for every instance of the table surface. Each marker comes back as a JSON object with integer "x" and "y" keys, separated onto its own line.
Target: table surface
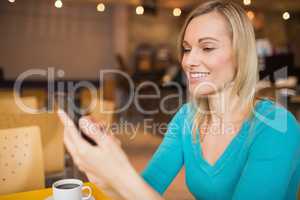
{"x": 44, "y": 193}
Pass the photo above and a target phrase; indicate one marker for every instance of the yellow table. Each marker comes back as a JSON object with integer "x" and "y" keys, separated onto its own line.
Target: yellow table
{"x": 44, "y": 193}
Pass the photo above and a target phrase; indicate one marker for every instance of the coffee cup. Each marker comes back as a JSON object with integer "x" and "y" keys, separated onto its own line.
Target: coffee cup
{"x": 70, "y": 189}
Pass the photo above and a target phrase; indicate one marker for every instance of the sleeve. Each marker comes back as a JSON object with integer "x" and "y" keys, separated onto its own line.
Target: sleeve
{"x": 272, "y": 160}
{"x": 168, "y": 158}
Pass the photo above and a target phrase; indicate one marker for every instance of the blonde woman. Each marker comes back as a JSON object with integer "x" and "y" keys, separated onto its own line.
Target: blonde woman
{"x": 232, "y": 144}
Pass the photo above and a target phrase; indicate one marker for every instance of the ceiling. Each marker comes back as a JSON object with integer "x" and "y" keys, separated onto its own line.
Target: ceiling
{"x": 272, "y": 5}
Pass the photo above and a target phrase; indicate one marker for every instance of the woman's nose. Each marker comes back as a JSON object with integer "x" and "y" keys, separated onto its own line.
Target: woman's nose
{"x": 193, "y": 59}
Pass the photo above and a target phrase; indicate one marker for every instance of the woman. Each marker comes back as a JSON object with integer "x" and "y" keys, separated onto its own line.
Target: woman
{"x": 232, "y": 144}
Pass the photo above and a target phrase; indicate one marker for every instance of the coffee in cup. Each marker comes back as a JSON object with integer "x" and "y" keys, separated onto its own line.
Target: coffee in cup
{"x": 70, "y": 189}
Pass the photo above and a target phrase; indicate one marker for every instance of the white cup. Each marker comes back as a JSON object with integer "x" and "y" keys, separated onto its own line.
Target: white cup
{"x": 70, "y": 189}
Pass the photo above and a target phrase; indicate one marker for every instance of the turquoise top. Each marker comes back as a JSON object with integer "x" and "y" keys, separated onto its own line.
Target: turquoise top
{"x": 261, "y": 162}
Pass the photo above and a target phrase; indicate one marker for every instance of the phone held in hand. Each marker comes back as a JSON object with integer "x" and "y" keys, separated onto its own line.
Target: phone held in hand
{"x": 87, "y": 138}
{"x": 62, "y": 103}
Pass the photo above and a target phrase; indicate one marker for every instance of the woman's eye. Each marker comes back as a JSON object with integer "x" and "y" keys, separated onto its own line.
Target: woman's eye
{"x": 208, "y": 49}
{"x": 186, "y": 50}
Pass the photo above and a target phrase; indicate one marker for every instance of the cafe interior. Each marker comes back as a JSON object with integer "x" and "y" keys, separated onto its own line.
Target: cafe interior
{"x": 90, "y": 53}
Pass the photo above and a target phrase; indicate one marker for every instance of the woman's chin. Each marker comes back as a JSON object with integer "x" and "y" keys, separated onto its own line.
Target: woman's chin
{"x": 201, "y": 92}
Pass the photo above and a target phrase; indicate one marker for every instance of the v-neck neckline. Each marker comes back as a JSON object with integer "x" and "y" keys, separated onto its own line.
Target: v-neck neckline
{"x": 231, "y": 148}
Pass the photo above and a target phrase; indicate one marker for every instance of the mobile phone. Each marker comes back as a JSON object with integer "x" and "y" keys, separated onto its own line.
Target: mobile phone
{"x": 84, "y": 136}
{"x": 75, "y": 119}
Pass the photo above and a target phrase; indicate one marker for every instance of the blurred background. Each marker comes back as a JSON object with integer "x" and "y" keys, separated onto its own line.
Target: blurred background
{"x": 74, "y": 40}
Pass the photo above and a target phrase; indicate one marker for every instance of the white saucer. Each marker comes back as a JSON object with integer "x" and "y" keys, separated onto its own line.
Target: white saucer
{"x": 51, "y": 198}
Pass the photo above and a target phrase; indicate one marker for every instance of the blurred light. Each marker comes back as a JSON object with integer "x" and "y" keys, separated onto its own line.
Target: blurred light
{"x": 247, "y": 2}
{"x": 176, "y": 12}
{"x": 286, "y": 15}
{"x": 250, "y": 15}
{"x": 58, "y": 4}
{"x": 139, "y": 10}
{"x": 11, "y": 1}
{"x": 100, "y": 7}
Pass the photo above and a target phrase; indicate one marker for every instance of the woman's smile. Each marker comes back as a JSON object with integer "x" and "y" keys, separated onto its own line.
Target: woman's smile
{"x": 195, "y": 77}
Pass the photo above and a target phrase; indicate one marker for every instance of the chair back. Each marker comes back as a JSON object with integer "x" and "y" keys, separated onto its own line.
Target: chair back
{"x": 21, "y": 166}
{"x": 51, "y": 134}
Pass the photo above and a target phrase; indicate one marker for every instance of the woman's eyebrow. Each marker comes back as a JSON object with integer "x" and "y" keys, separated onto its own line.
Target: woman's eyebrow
{"x": 207, "y": 38}
{"x": 201, "y": 40}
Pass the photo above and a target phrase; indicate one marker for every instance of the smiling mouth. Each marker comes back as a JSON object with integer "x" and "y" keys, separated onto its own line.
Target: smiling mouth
{"x": 199, "y": 75}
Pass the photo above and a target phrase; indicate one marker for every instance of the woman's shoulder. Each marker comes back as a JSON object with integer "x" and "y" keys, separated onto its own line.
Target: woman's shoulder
{"x": 182, "y": 117}
{"x": 276, "y": 128}
{"x": 275, "y": 116}
{"x": 185, "y": 109}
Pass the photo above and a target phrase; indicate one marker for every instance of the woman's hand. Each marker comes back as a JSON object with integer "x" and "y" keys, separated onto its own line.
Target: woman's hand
{"x": 105, "y": 164}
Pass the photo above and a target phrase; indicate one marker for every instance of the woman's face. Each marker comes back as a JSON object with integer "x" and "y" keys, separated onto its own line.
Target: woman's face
{"x": 208, "y": 59}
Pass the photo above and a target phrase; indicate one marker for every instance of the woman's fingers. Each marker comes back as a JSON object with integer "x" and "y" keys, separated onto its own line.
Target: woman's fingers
{"x": 67, "y": 128}
{"x": 71, "y": 131}
{"x": 97, "y": 131}
{"x": 66, "y": 121}
{"x": 72, "y": 138}
{"x": 92, "y": 129}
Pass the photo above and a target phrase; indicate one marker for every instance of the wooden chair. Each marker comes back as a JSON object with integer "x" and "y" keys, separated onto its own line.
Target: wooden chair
{"x": 10, "y": 106}
{"x": 39, "y": 94}
{"x": 51, "y": 134}
{"x": 6, "y": 93}
{"x": 51, "y": 129}
{"x": 21, "y": 166}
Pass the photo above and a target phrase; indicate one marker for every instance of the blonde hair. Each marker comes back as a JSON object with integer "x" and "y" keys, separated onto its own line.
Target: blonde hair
{"x": 243, "y": 43}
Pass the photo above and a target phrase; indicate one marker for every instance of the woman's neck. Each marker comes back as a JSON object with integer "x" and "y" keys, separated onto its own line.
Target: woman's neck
{"x": 225, "y": 107}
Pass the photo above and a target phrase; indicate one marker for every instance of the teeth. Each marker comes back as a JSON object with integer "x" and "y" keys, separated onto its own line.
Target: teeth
{"x": 199, "y": 74}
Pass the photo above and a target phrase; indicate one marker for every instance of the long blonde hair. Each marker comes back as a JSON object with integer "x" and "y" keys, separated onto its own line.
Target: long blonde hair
{"x": 243, "y": 42}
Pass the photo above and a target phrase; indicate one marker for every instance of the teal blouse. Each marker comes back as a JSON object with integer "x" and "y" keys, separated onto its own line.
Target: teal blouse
{"x": 261, "y": 162}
